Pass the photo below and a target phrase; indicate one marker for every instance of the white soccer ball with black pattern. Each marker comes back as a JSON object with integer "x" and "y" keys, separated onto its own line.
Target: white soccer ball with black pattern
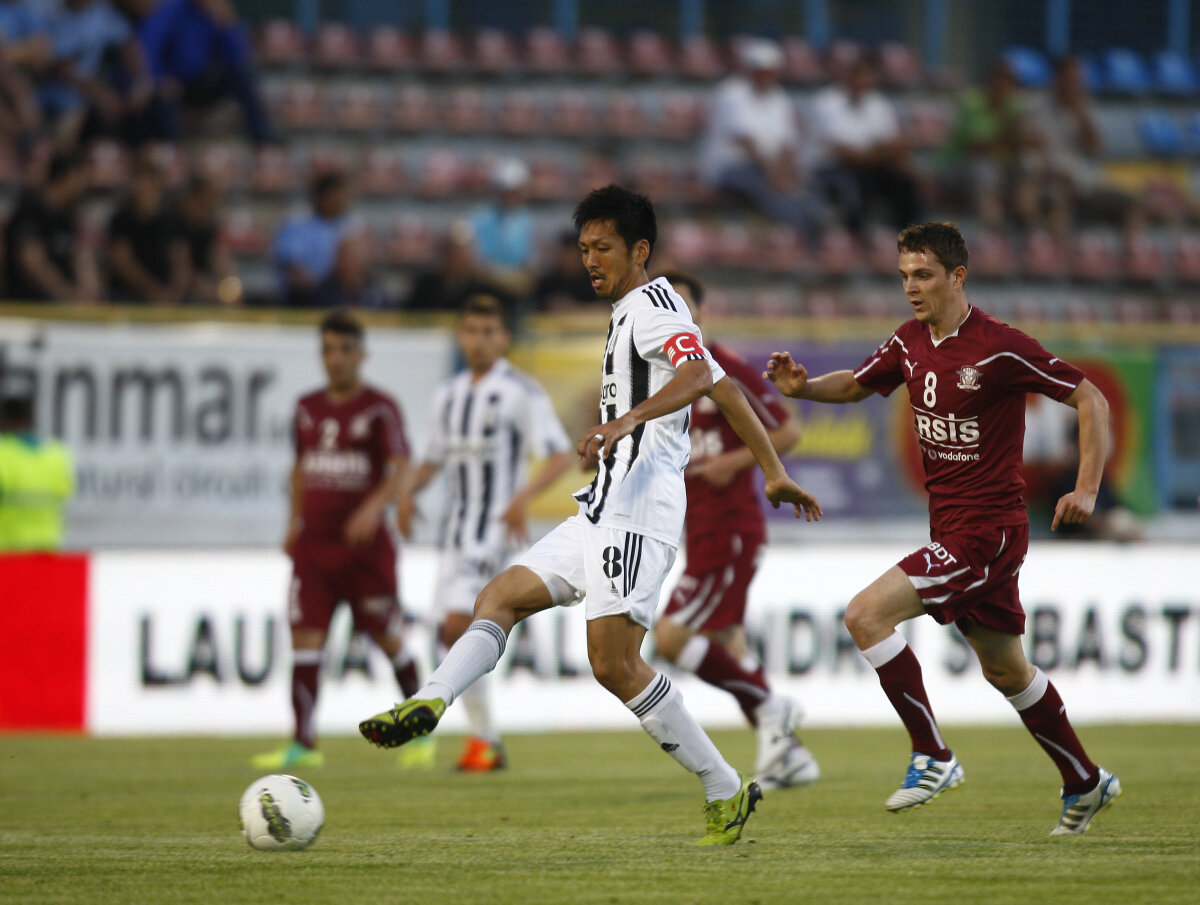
{"x": 281, "y": 813}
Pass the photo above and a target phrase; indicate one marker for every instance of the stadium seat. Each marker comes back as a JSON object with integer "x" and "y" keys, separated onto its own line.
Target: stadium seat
{"x": 680, "y": 116}
{"x": 1044, "y": 257}
{"x": 1124, "y": 72}
{"x": 441, "y": 51}
{"x": 549, "y": 180}
{"x": 649, "y": 54}
{"x": 414, "y": 110}
{"x": 494, "y": 51}
{"x": 574, "y": 115}
{"x": 624, "y": 115}
{"x": 1173, "y": 75}
{"x": 356, "y": 107}
{"x": 686, "y": 242}
{"x": 1187, "y": 258}
{"x": 303, "y": 104}
{"x": 546, "y": 52}
{"x": 1095, "y": 256}
{"x": 466, "y": 111}
{"x": 273, "y": 172}
{"x": 773, "y": 303}
{"x": 243, "y": 232}
{"x": 992, "y": 256}
{"x": 700, "y": 58}
{"x": 654, "y": 178}
{"x": 389, "y": 49}
{"x": 1160, "y": 134}
{"x": 839, "y": 254}
{"x": 522, "y": 112}
{"x": 281, "y": 43}
{"x": 598, "y": 53}
{"x": 898, "y": 65}
{"x": 881, "y": 251}
{"x": 801, "y": 62}
{"x": 441, "y": 175}
{"x": 781, "y": 250}
{"x": 410, "y": 242}
{"x": 1029, "y": 65}
{"x": 382, "y": 172}
{"x": 336, "y": 46}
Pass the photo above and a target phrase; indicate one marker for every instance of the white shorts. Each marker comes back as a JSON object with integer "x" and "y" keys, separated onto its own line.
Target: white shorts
{"x": 616, "y": 571}
{"x": 462, "y": 575}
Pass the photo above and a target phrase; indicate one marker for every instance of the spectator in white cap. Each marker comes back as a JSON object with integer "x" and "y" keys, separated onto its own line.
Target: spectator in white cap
{"x": 503, "y": 228}
{"x": 752, "y": 145}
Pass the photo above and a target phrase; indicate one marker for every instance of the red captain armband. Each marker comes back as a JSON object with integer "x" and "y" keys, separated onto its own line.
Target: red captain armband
{"x": 683, "y": 347}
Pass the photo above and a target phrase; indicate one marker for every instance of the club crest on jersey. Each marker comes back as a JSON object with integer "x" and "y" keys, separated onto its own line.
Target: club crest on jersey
{"x": 360, "y": 427}
{"x": 968, "y": 378}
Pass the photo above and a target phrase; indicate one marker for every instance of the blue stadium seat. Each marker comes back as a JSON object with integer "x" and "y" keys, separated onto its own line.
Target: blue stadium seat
{"x": 1160, "y": 134}
{"x": 1124, "y": 72}
{"x": 1029, "y": 66}
{"x": 1173, "y": 74}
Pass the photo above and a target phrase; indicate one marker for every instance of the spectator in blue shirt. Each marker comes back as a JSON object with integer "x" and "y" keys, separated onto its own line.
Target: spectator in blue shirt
{"x": 24, "y": 54}
{"x": 321, "y": 257}
{"x": 199, "y": 53}
{"x": 503, "y": 228}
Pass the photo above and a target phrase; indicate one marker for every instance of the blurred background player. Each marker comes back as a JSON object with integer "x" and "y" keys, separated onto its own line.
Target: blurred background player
{"x": 351, "y": 457}
{"x": 702, "y": 629}
{"x": 37, "y": 479}
{"x": 488, "y": 421}
{"x": 967, "y": 375}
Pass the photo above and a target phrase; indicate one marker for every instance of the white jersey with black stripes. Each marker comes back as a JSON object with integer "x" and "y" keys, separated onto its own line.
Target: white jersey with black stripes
{"x": 639, "y": 486}
{"x": 484, "y": 433}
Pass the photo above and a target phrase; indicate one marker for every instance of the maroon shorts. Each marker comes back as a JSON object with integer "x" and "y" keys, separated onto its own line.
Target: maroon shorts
{"x": 327, "y": 571}
{"x": 711, "y": 594}
{"x": 969, "y": 577}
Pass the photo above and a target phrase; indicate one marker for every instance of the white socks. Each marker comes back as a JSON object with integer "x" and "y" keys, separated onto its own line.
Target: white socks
{"x": 886, "y": 650}
{"x": 473, "y": 655}
{"x": 1031, "y": 695}
{"x": 660, "y": 709}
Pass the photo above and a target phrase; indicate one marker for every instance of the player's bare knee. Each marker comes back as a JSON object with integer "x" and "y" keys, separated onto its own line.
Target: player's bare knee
{"x": 860, "y": 619}
{"x": 669, "y": 639}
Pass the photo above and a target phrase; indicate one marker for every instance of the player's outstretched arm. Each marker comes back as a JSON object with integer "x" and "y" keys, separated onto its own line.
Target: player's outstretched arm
{"x": 780, "y": 488}
{"x": 1076, "y": 506}
{"x": 791, "y": 379}
{"x": 691, "y": 381}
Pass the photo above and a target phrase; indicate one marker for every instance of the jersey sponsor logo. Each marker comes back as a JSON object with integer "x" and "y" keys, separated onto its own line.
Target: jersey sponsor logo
{"x": 968, "y": 378}
{"x": 936, "y": 429}
{"x": 683, "y": 347}
{"x": 608, "y": 392}
{"x": 943, "y": 556}
{"x": 340, "y": 466}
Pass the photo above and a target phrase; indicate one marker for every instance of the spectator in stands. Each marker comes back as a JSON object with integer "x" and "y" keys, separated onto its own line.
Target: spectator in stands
{"x": 147, "y": 257}
{"x": 24, "y": 53}
{"x": 455, "y": 278}
{"x": 322, "y": 257}
{"x": 44, "y": 256}
{"x": 565, "y": 284}
{"x": 1064, "y": 125}
{"x": 864, "y": 161}
{"x": 1111, "y": 519}
{"x": 212, "y": 273}
{"x": 988, "y": 150}
{"x": 503, "y": 228}
{"x": 36, "y": 481}
{"x": 199, "y": 53}
{"x": 752, "y": 145}
{"x": 99, "y": 82}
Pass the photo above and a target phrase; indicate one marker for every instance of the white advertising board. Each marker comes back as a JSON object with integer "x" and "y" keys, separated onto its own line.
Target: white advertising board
{"x": 196, "y": 642}
{"x": 182, "y": 433}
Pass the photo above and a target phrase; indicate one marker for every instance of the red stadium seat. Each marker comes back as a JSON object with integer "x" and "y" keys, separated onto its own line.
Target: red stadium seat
{"x": 735, "y": 247}
{"x": 649, "y": 54}
{"x": 781, "y": 250}
{"x": 226, "y": 165}
{"x": 414, "y": 109}
{"x": 821, "y": 304}
{"x": 801, "y": 62}
{"x": 598, "y": 53}
{"x": 522, "y": 112}
{"x": 1044, "y": 257}
{"x": 336, "y": 46}
{"x": 549, "y": 180}
{"x": 680, "y": 116}
{"x": 624, "y": 115}
{"x": 773, "y": 303}
{"x": 898, "y": 66}
{"x": 442, "y": 174}
{"x": 281, "y": 43}
{"x": 839, "y": 254}
{"x": 574, "y": 115}
{"x": 700, "y": 58}
{"x": 441, "y": 51}
{"x": 244, "y": 234}
{"x": 992, "y": 256}
{"x": 382, "y": 172}
{"x": 273, "y": 172}
{"x": 495, "y": 52}
{"x": 1145, "y": 260}
{"x": 303, "y": 104}
{"x": 410, "y": 243}
{"x": 598, "y": 170}
{"x": 356, "y": 107}
{"x": 1187, "y": 258}
{"x": 654, "y": 178}
{"x": 466, "y": 111}
{"x": 546, "y": 52}
{"x": 389, "y": 49}
{"x": 881, "y": 252}
{"x": 686, "y": 243}
{"x": 1095, "y": 256}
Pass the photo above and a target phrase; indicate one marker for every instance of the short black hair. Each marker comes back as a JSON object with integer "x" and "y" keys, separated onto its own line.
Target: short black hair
{"x": 327, "y": 182}
{"x": 942, "y": 240}
{"x": 632, "y": 214}
{"x": 683, "y": 278}
{"x": 343, "y": 322}
{"x": 16, "y": 412}
{"x": 486, "y": 305}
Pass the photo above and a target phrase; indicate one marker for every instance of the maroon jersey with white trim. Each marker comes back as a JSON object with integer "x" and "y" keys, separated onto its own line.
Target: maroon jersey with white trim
{"x": 733, "y": 509}
{"x": 968, "y": 398}
{"x": 343, "y": 449}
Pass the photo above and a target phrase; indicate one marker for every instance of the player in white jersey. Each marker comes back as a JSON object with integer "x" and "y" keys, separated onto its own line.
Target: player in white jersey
{"x": 488, "y": 421}
{"x": 619, "y": 547}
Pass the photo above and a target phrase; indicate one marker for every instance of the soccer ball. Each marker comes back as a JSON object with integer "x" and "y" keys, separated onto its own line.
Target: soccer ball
{"x": 281, "y": 813}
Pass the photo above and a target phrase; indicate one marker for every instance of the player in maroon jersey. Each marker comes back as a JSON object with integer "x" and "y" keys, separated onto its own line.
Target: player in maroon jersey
{"x": 351, "y": 457}
{"x": 702, "y": 629}
{"x": 967, "y": 376}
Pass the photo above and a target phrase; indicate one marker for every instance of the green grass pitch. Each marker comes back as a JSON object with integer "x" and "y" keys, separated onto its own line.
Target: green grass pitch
{"x": 595, "y": 818}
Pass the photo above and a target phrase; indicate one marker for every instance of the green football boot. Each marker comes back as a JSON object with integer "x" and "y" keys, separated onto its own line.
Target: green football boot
{"x": 293, "y": 754}
{"x": 419, "y": 754}
{"x": 726, "y": 818}
{"x": 404, "y": 722}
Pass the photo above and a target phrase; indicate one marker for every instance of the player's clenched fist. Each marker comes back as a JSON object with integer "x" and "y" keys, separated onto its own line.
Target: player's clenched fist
{"x": 790, "y": 377}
